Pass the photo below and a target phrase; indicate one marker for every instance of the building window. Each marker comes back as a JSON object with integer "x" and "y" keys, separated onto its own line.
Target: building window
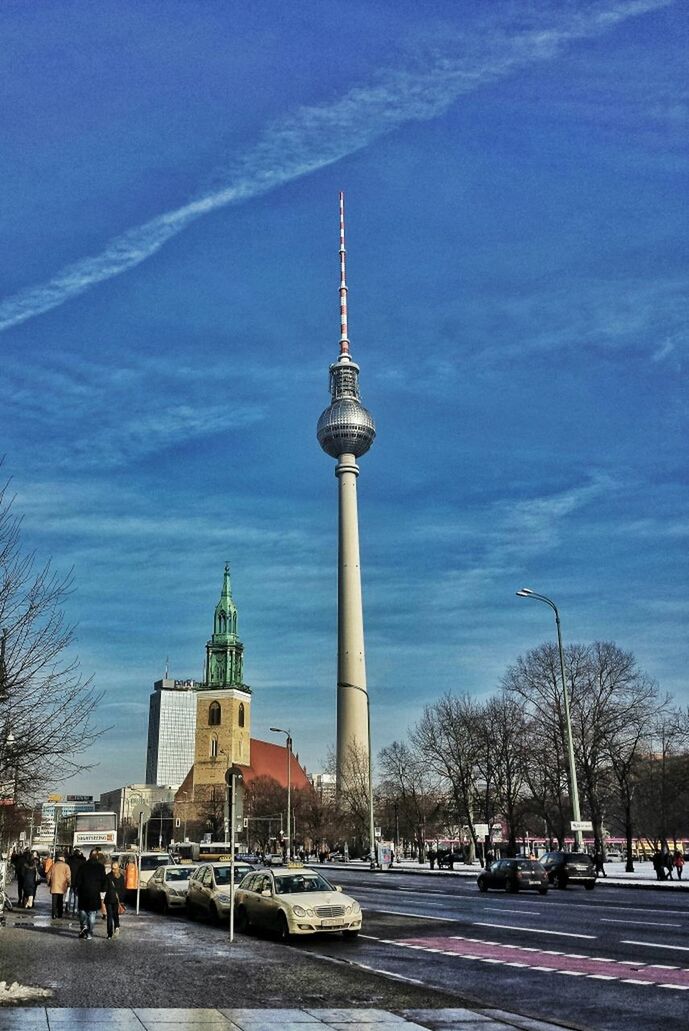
{"x": 214, "y": 747}
{"x": 241, "y": 714}
{"x": 214, "y": 715}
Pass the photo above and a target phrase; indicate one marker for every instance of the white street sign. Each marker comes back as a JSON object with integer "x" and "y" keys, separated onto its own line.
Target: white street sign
{"x": 481, "y": 830}
{"x": 581, "y": 825}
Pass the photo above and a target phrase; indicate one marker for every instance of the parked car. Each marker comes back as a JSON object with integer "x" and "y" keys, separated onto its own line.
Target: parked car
{"x": 447, "y": 859}
{"x": 148, "y": 862}
{"x": 294, "y": 900}
{"x": 613, "y": 855}
{"x": 208, "y": 891}
{"x": 515, "y": 875}
{"x": 168, "y": 885}
{"x": 565, "y": 868}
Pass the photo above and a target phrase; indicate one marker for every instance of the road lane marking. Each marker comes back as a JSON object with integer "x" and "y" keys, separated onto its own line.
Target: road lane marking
{"x": 537, "y": 930}
{"x": 499, "y": 909}
{"x": 638, "y": 923}
{"x": 415, "y": 916}
{"x": 657, "y": 945}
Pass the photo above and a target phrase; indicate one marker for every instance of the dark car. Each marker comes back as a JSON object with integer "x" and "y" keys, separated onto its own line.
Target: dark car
{"x": 515, "y": 875}
{"x": 565, "y": 868}
{"x": 447, "y": 859}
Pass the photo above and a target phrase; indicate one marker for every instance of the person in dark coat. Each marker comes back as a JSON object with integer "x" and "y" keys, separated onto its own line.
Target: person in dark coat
{"x": 659, "y": 865}
{"x": 74, "y": 861}
{"x": 19, "y": 861}
{"x": 29, "y": 880}
{"x": 114, "y": 893}
{"x": 90, "y": 888}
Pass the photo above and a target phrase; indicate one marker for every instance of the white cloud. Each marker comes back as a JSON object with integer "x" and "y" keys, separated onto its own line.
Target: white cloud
{"x": 320, "y": 135}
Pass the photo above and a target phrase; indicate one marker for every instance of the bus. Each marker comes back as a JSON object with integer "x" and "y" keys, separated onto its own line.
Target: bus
{"x": 86, "y": 831}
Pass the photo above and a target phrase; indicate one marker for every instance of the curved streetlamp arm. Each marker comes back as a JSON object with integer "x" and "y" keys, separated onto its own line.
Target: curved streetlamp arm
{"x": 526, "y": 592}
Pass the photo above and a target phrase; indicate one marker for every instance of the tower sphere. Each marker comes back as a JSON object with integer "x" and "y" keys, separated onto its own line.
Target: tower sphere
{"x": 345, "y": 428}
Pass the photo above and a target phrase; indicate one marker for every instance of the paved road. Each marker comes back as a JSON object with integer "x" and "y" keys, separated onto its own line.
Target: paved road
{"x": 605, "y": 960}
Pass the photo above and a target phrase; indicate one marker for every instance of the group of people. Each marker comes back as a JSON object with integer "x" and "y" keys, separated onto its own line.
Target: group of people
{"x": 665, "y": 862}
{"x": 76, "y": 885}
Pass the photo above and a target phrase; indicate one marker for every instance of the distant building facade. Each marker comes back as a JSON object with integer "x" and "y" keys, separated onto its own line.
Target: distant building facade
{"x": 171, "y": 731}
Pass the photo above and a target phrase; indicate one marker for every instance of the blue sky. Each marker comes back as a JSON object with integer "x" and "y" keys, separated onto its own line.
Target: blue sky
{"x": 516, "y": 184}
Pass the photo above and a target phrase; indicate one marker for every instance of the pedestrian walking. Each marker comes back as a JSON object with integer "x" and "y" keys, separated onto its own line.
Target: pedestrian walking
{"x": 114, "y": 893}
{"x": 679, "y": 864}
{"x": 19, "y": 860}
{"x": 74, "y": 860}
{"x": 669, "y": 864}
{"x": 29, "y": 880}
{"x": 59, "y": 878}
{"x": 599, "y": 863}
{"x": 659, "y": 865}
{"x": 432, "y": 857}
{"x": 90, "y": 887}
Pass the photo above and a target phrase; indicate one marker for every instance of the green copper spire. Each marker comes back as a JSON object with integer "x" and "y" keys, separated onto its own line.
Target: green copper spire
{"x": 224, "y": 651}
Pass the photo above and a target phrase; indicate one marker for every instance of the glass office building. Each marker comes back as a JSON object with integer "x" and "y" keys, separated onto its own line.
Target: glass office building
{"x": 171, "y": 731}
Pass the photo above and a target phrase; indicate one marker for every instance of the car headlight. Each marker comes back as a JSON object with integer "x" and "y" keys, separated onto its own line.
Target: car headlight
{"x": 300, "y": 911}
{"x": 225, "y": 899}
{"x": 356, "y": 908}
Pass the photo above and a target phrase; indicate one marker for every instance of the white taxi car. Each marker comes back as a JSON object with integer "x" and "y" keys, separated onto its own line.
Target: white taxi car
{"x": 167, "y": 886}
{"x": 209, "y": 889}
{"x": 293, "y": 900}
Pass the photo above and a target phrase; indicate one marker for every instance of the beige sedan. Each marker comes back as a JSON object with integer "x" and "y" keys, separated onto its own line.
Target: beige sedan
{"x": 292, "y": 900}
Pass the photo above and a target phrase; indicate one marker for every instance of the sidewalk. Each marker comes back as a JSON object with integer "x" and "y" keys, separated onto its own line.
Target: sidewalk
{"x": 643, "y": 877}
{"x": 49, "y": 1019}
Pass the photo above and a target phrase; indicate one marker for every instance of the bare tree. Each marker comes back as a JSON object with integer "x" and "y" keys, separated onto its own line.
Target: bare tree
{"x": 611, "y": 702}
{"x": 413, "y": 790}
{"x": 449, "y": 736}
{"x": 47, "y": 708}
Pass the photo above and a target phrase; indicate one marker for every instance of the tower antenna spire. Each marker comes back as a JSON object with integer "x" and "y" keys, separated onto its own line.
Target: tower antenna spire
{"x": 344, "y": 337}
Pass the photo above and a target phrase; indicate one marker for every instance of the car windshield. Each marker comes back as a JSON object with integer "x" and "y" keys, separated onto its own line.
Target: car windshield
{"x": 153, "y": 862}
{"x": 178, "y": 873}
{"x": 528, "y": 864}
{"x": 577, "y": 857}
{"x": 222, "y": 873}
{"x": 296, "y": 883}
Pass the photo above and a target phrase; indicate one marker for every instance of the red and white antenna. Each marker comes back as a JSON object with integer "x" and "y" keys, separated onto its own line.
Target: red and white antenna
{"x": 344, "y": 338}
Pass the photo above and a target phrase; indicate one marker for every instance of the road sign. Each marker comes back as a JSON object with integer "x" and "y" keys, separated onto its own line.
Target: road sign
{"x": 481, "y": 830}
{"x": 581, "y": 825}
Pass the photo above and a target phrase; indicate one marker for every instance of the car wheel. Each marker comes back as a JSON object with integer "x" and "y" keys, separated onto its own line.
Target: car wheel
{"x": 189, "y": 909}
{"x": 214, "y": 914}
{"x": 543, "y": 891}
{"x": 512, "y": 887}
{"x": 590, "y": 885}
{"x": 283, "y": 929}
{"x": 482, "y": 886}
{"x": 350, "y": 934}
{"x": 562, "y": 881}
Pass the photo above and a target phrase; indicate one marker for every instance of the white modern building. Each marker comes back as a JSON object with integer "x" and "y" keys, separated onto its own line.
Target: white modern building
{"x": 171, "y": 731}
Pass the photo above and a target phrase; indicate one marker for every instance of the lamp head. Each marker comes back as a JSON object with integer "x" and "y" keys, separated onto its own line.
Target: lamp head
{"x": 524, "y": 592}
{"x": 10, "y": 739}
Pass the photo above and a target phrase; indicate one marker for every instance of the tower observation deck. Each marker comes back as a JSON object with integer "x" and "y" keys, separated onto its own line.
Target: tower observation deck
{"x": 346, "y": 431}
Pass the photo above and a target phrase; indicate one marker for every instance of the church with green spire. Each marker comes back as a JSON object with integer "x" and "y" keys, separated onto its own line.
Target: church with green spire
{"x": 224, "y": 651}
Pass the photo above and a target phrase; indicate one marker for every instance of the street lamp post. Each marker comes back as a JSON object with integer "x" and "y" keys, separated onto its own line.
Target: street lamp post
{"x": 526, "y": 592}
{"x": 288, "y": 746}
{"x": 233, "y": 776}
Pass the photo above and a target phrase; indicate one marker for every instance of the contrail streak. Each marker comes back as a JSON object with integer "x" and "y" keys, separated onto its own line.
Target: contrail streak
{"x": 317, "y": 136}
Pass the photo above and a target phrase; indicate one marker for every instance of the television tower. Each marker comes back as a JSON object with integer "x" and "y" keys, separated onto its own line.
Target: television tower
{"x": 346, "y": 431}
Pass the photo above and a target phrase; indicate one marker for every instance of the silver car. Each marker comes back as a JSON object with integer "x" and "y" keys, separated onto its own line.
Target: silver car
{"x": 209, "y": 889}
{"x": 167, "y": 886}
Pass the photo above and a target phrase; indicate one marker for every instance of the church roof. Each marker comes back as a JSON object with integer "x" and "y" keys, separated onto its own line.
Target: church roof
{"x": 270, "y": 760}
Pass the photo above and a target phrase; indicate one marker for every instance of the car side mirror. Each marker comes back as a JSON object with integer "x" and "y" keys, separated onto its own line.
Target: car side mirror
{"x": 266, "y": 893}
{"x": 338, "y": 887}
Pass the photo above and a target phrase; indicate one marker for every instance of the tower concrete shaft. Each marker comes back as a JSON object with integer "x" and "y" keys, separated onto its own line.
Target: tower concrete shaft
{"x": 352, "y": 715}
{"x": 346, "y": 431}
